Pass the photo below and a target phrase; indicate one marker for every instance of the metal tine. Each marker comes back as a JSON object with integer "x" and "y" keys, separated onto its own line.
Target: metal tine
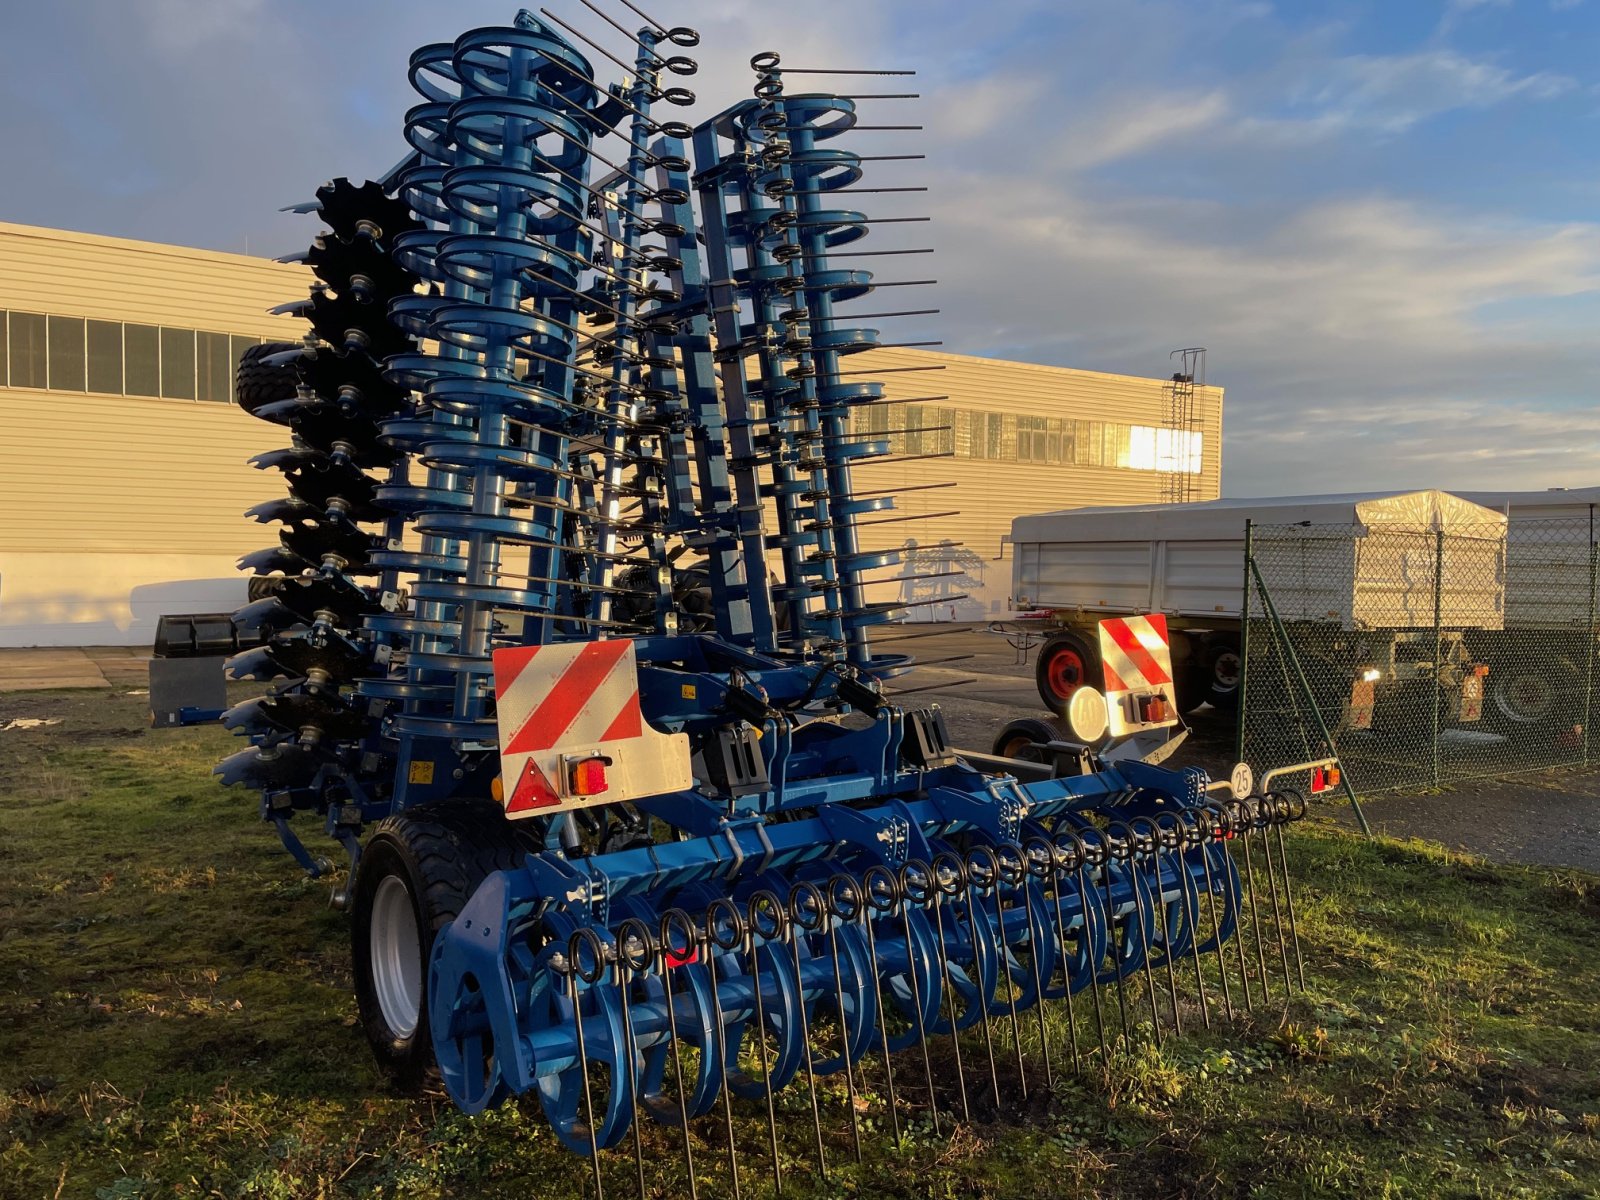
{"x": 578, "y": 972}
{"x": 711, "y": 946}
{"x": 1296, "y": 808}
{"x": 1205, "y": 832}
{"x": 797, "y": 926}
{"x": 831, "y": 71}
{"x": 660, "y": 62}
{"x": 1247, "y": 815}
{"x": 868, "y": 905}
{"x": 1081, "y": 852}
{"x": 1136, "y": 853}
{"x": 839, "y": 910}
{"x": 676, "y": 918}
{"x": 1059, "y": 865}
{"x": 904, "y": 884}
{"x": 1112, "y": 855}
{"x": 1191, "y": 915}
{"x": 1038, "y": 868}
{"x": 586, "y": 40}
{"x": 974, "y": 915}
{"x": 1228, "y": 822}
{"x": 1010, "y": 869}
{"x": 632, "y": 933}
{"x": 1159, "y": 918}
{"x": 1269, "y": 818}
{"x": 948, "y": 876}
{"x": 764, "y": 902}
{"x": 656, "y": 27}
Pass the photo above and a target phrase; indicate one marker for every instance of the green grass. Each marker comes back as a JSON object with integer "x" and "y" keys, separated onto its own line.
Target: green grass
{"x": 175, "y": 1021}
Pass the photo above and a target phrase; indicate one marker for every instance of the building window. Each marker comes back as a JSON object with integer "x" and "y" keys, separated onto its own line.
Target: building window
{"x": 26, "y": 340}
{"x": 177, "y": 363}
{"x": 141, "y": 353}
{"x": 215, "y": 374}
{"x": 105, "y": 357}
{"x": 3, "y": 355}
{"x": 66, "y": 354}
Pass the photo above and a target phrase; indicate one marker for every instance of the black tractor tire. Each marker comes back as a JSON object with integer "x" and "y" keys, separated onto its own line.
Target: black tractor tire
{"x": 1016, "y": 737}
{"x": 438, "y": 853}
{"x": 1065, "y": 663}
{"x": 256, "y": 383}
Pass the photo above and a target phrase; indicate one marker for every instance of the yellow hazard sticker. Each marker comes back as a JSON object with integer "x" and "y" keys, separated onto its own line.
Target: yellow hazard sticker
{"x": 421, "y": 772}
{"x": 689, "y": 691}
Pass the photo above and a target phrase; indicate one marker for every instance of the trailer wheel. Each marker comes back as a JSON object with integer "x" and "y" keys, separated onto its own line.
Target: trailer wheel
{"x": 416, "y": 872}
{"x": 1066, "y": 662}
{"x": 1224, "y": 669}
{"x": 1015, "y": 738}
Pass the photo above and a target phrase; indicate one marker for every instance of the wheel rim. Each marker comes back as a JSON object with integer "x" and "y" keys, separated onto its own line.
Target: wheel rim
{"x": 1015, "y": 746}
{"x": 1064, "y": 671}
{"x": 1225, "y": 671}
{"x": 396, "y": 956}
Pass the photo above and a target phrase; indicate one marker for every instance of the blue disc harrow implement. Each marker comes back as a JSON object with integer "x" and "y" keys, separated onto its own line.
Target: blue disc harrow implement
{"x": 575, "y": 648}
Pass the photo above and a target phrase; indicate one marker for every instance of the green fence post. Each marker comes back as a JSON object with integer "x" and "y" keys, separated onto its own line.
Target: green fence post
{"x": 1305, "y": 690}
{"x": 1244, "y": 644}
{"x": 1438, "y": 643}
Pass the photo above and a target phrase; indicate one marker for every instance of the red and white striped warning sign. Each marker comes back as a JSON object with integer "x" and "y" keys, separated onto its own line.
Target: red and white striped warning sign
{"x": 565, "y": 707}
{"x": 1138, "y": 672}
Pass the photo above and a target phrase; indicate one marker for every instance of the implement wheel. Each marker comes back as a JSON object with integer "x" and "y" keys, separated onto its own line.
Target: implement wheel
{"x": 256, "y": 383}
{"x": 415, "y": 874}
{"x": 1066, "y": 662}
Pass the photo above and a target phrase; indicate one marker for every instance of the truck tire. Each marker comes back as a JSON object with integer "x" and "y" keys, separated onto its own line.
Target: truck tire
{"x": 1224, "y": 669}
{"x": 1066, "y": 662}
{"x": 257, "y": 383}
{"x": 416, "y": 872}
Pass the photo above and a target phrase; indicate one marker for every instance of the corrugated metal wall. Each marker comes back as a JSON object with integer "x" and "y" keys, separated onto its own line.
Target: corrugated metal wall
{"x": 107, "y": 498}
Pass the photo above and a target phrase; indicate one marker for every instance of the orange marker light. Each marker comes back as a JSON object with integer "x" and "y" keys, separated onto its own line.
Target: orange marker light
{"x": 589, "y": 776}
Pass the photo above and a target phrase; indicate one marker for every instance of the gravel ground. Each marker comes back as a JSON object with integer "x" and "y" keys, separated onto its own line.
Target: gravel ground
{"x": 1547, "y": 818}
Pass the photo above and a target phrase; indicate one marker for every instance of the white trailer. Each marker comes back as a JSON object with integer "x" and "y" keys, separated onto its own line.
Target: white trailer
{"x": 1075, "y": 566}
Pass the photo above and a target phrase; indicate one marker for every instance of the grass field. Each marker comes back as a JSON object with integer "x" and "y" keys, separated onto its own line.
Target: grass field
{"x": 175, "y": 1021}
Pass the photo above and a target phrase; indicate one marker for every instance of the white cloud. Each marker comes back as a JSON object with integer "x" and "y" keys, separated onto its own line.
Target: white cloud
{"x": 1133, "y": 124}
{"x": 1391, "y": 94}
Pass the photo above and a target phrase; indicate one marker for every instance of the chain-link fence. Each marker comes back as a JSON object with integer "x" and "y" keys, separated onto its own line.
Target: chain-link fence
{"x": 1421, "y": 655}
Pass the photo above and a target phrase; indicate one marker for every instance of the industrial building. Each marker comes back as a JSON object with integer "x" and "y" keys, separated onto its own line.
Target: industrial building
{"x": 123, "y": 472}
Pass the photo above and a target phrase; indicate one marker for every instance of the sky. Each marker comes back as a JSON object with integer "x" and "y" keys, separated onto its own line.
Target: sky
{"x": 1381, "y": 218}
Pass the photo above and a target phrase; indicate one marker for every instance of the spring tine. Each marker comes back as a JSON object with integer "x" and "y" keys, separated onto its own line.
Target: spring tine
{"x": 1268, "y": 818}
{"x": 624, "y": 972}
{"x": 1165, "y": 926}
{"x": 1116, "y": 950}
{"x": 1056, "y": 873}
{"x": 883, "y": 1020}
{"x": 761, "y": 1051}
{"x": 1205, "y": 833}
{"x": 1288, "y": 895}
{"x": 1191, "y": 918}
{"x": 583, "y": 1061}
{"x": 1005, "y": 981}
{"x": 793, "y": 932}
{"x": 904, "y": 882}
{"x": 973, "y": 917}
{"x": 1137, "y": 870}
{"x": 1035, "y": 936}
{"x": 944, "y": 976}
{"x": 667, "y": 921}
{"x": 844, "y": 1029}
{"x": 710, "y": 948}
{"x": 1228, "y": 832}
{"x": 1094, "y": 967}
{"x": 1247, "y": 819}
